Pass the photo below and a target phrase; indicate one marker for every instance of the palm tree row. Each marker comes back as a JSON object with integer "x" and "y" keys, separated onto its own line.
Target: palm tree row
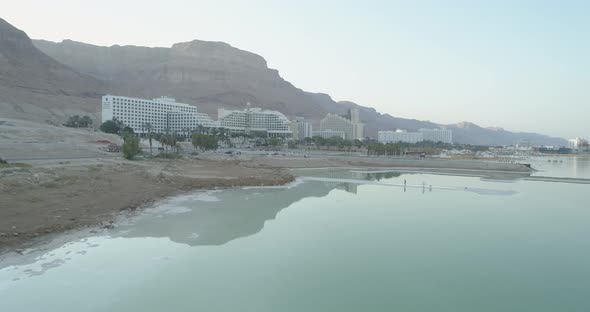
{"x": 171, "y": 138}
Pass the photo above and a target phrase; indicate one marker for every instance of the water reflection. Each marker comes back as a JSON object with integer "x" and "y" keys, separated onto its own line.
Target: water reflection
{"x": 199, "y": 221}
{"x": 571, "y": 167}
{"x": 378, "y": 176}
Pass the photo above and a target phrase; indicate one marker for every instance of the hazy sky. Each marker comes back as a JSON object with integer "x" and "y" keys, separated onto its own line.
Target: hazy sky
{"x": 522, "y": 65}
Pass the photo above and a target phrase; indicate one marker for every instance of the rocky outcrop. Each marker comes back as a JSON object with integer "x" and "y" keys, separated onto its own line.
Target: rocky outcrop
{"x": 35, "y": 86}
{"x": 212, "y": 74}
{"x": 24, "y": 66}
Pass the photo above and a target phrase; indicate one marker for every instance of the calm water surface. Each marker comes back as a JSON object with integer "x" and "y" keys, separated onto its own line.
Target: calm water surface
{"x": 564, "y": 167}
{"x": 326, "y": 246}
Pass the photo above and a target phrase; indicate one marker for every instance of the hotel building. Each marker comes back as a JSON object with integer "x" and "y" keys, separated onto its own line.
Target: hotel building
{"x": 399, "y": 136}
{"x": 433, "y": 135}
{"x": 577, "y": 143}
{"x": 274, "y": 123}
{"x": 326, "y": 134}
{"x": 437, "y": 135}
{"x": 350, "y": 125}
{"x": 162, "y": 113}
{"x": 301, "y": 129}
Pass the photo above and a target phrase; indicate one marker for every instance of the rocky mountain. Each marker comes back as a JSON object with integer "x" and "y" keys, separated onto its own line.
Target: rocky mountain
{"x": 212, "y": 74}
{"x": 34, "y": 84}
{"x": 470, "y": 133}
{"x": 45, "y": 80}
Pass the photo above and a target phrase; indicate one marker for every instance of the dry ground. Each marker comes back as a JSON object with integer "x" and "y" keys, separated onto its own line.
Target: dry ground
{"x": 56, "y": 197}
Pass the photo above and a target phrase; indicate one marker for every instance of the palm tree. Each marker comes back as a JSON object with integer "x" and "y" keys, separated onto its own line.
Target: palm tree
{"x": 148, "y": 127}
{"x": 186, "y": 133}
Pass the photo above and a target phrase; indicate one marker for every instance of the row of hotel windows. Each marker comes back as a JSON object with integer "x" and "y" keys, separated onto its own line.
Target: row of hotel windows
{"x": 156, "y": 105}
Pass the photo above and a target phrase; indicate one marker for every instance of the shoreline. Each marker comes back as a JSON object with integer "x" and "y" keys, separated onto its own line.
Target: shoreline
{"x": 52, "y": 198}
{"x": 42, "y": 201}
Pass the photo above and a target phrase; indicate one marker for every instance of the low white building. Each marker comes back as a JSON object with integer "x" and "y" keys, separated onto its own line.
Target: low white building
{"x": 399, "y": 136}
{"x": 162, "y": 114}
{"x": 326, "y": 134}
{"x": 274, "y": 123}
{"x": 437, "y": 135}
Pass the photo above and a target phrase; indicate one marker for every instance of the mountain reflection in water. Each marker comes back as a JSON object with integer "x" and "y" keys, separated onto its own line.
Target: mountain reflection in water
{"x": 233, "y": 215}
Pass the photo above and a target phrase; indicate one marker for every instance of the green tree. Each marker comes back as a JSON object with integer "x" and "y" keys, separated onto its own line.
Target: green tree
{"x": 86, "y": 121}
{"x": 148, "y": 127}
{"x": 168, "y": 139}
{"x": 204, "y": 142}
{"x": 112, "y": 126}
{"x": 76, "y": 121}
{"x": 127, "y": 130}
{"x": 130, "y": 146}
{"x": 274, "y": 142}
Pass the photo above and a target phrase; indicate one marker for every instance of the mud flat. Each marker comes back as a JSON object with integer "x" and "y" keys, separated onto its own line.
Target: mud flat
{"x": 344, "y": 161}
{"x": 52, "y": 198}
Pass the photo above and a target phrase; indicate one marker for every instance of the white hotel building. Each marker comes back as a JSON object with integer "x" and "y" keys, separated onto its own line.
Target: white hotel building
{"x": 327, "y": 134}
{"x": 433, "y": 135}
{"x": 437, "y": 135}
{"x": 301, "y": 129}
{"x": 399, "y": 136}
{"x": 274, "y": 123}
{"x": 162, "y": 113}
{"x": 350, "y": 125}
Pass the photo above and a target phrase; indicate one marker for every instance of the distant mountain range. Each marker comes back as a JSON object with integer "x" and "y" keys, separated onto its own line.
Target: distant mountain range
{"x": 46, "y": 81}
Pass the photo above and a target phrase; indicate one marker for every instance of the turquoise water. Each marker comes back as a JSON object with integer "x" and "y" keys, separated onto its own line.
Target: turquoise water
{"x": 326, "y": 246}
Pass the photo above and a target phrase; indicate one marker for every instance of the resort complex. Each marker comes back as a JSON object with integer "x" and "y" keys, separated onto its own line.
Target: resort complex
{"x": 165, "y": 114}
{"x": 403, "y": 136}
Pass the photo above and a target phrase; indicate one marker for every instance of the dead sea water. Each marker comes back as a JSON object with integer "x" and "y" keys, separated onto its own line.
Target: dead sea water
{"x": 466, "y": 244}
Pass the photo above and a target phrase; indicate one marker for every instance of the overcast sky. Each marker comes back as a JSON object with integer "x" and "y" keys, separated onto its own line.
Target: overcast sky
{"x": 522, "y": 65}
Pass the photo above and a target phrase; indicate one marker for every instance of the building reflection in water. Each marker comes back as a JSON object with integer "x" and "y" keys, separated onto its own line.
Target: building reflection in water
{"x": 237, "y": 213}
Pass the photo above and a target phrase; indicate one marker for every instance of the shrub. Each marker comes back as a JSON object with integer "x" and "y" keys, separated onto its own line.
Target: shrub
{"x": 130, "y": 146}
{"x": 112, "y": 126}
{"x": 204, "y": 142}
{"x": 77, "y": 121}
